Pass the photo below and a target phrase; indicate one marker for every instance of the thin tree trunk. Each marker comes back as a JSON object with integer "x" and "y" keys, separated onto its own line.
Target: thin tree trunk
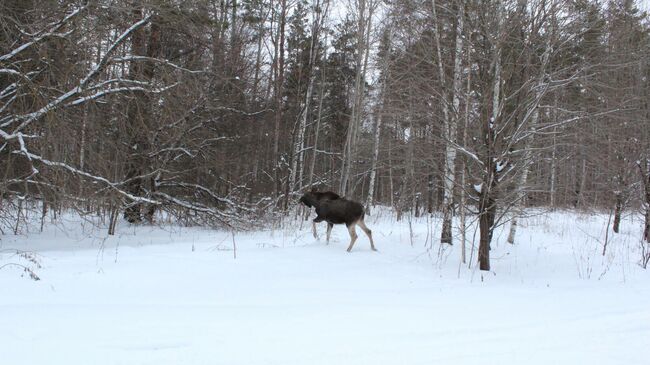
{"x": 609, "y": 220}
{"x": 411, "y": 162}
{"x": 527, "y": 156}
{"x": 646, "y": 231}
{"x": 430, "y": 192}
{"x": 487, "y": 204}
{"x": 233, "y": 27}
{"x": 299, "y": 143}
{"x": 361, "y": 62}
{"x": 485, "y": 229}
{"x": 519, "y": 208}
{"x": 279, "y": 80}
{"x": 43, "y": 213}
{"x": 154, "y": 50}
{"x": 450, "y": 120}
{"x": 112, "y": 221}
{"x": 321, "y": 96}
{"x": 136, "y": 107}
{"x": 390, "y": 174}
{"x": 258, "y": 56}
{"x": 618, "y": 210}
{"x": 362, "y": 94}
{"x": 583, "y": 181}
{"x": 645, "y": 178}
{"x": 553, "y": 171}
{"x": 463, "y": 183}
{"x": 377, "y": 133}
{"x": 446, "y": 224}
{"x": 373, "y": 168}
{"x": 82, "y": 148}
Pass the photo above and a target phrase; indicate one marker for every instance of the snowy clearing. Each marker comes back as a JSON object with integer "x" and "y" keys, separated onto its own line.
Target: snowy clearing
{"x": 172, "y": 295}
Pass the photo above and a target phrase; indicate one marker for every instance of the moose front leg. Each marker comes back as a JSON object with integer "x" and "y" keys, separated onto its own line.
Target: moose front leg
{"x": 329, "y": 230}
{"x": 318, "y": 219}
{"x": 313, "y": 229}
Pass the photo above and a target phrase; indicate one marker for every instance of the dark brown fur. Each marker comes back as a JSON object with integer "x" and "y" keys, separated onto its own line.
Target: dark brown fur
{"x": 313, "y": 198}
{"x": 333, "y": 209}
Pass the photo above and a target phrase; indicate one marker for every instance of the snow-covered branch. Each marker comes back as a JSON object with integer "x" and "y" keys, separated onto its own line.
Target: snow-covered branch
{"x": 44, "y": 34}
{"x": 81, "y": 86}
{"x": 203, "y": 189}
{"x": 132, "y": 58}
{"x": 74, "y": 170}
{"x": 102, "y": 93}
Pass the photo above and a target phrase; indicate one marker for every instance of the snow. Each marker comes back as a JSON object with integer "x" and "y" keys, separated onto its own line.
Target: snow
{"x": 172, "y": 295}
{"x": 501, "y": 165}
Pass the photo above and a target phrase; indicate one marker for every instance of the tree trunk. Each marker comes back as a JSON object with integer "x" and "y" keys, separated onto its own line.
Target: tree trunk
{"x": 450, "y": 120}
{"x": 485, "y": 228}
{"x": 486, "y": 213}
{"x": 581, "y": 186}
{"x": 377, "y": 132}
{"x": 321, "y": 96}
{"x": 279, "y": 81}
{"x": 463, "y": 183}
{"x": 258, "y": 55}
{"x": 136, "y": 114}
{"x": 297, "y": 157}
{"x": 112, "y": 221}
{"x": 390, "y": 174}
{"x": 487, "y": 203}
{"x": 527, "y": 156}
{"x": 445, "y": 236}
{"x": 645, "y": 178}
{"x": 430, "y": 193}
{"x": 410, "y": 165}
{"x": 553, "y": 172}
{"x": 373, "y": 168}
{"x": 361, "y": 60}
{"x": 646, "y": 231}
{"x": 618, "y": 209}
{"x": 519, "y": 208}
{"x": 154, "y": 50}
{"x": 299, "y": 144}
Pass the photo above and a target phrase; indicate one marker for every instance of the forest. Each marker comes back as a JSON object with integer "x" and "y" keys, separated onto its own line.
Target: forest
{"x": 160, "y": 162}
{"x": 223, "y": 112}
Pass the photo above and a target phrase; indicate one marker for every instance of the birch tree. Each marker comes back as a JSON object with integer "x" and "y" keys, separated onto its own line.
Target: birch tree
{"x": 449, "y": 124}
{"x": 363, "y": 10}
{"x": 383, "y": 80}
{"x": 319, "y": 15}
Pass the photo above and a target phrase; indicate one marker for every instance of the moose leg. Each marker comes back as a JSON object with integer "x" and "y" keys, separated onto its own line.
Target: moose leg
{"x": 313, "y": 229}
{"x": 353, "y": 235}
{"x": 318, "y": 219}
{"x": 368, "y": 233}
{"x": 329, "y": 230}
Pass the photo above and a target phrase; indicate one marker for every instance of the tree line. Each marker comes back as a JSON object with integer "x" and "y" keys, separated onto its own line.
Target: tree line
{"x": 219, "y": 111}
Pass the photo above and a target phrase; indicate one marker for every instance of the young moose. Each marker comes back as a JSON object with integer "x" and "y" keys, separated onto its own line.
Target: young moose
{"x": 337, "y": 211}
{"x": 315, "y": 196}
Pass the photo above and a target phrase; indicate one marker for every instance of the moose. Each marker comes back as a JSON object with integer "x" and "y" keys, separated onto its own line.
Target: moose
{"x": 333, "y": 209}
{"x": 318, "y": 196}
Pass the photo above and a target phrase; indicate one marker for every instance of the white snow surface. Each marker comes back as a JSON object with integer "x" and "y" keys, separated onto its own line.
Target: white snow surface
{"x": 173, "y": 295}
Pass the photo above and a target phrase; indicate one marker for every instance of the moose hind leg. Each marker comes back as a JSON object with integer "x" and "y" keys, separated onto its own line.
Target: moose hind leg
{"x": 329, "y": 231}
{"x": 353, "y": 235}
{"x": 368, "y": 233}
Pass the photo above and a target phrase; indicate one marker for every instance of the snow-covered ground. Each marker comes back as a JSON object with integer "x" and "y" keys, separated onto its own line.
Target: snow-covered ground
{"x": 171, "y": 295}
